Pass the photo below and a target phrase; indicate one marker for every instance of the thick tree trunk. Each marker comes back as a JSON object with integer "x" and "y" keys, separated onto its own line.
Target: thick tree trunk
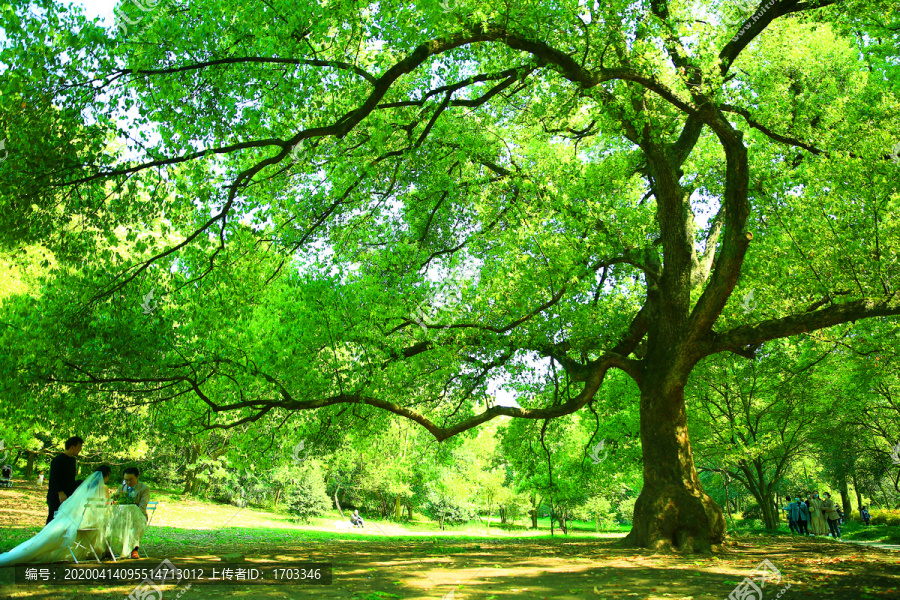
{"x": 770, "y": 518}
{"x": 29, "y": 468}
{"x": 409, "y": 510}
{"x": 190, "y": 472}
{"x": 847, "y": 505}
{"x": 762, "y": 492}
{"x": 672, "y": 512}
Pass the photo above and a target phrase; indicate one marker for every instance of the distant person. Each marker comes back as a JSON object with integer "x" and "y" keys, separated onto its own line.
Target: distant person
{"x": 62, "y": 476}
{"x": 356, "y": 519}
{"x": 818, "y": 525}
{"x": 804, "y": 514}
{"x": 831, "y": 515}
{"x": 792, "y": 523}
{"x": 40, "y": 479}
{"x": 864, "y": 515}
{"x": 801, "y": 515}
{"x": 140, "y": 492}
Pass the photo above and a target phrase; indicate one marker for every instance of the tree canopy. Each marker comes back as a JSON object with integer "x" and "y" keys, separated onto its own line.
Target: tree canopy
{"x": 254, "y": 209}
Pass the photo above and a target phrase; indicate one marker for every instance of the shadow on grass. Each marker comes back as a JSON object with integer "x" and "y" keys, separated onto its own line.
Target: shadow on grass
{"x": 542, "y": 569}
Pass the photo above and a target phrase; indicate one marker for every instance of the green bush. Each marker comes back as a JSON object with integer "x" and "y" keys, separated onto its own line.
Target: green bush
{"x": 517, "y": 507}
{"x": 308, "y": 497}
{"x": 449, "y": 510}
{"x": 625, "y": 511}
{"x": 753, "y": 511}
{"x": 596, "y": 510}
{"x": 885, "y": 517}
{"x": 745, "y": 523}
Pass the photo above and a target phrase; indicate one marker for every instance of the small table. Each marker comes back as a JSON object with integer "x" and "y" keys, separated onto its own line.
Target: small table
{"x": 125, "y": 528}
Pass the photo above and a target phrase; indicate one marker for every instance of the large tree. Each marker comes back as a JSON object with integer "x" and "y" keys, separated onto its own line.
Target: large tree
{"x": 253, "y": 202}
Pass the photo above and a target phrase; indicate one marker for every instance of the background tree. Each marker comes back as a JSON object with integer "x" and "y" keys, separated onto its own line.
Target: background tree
{"x": 756, "y": 418}
{"x": 308, "y": 497}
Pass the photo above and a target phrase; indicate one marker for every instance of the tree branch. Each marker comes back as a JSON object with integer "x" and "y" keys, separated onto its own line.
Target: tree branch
{"x": 740, "y": 338}
{"x": 335, "y": 64}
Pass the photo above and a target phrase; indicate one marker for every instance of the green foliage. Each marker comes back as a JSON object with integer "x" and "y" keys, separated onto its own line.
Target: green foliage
{"x": 625, "y": 510}
{"x": 516, "y": 506}
{"x": 308, "y": 497}
{"x": 596, "y": 509}
{"x": 885, "y": 517}
{"x": 448, "y": 508}
{"x": 449, "y": 499}
{"x": 238, "y": 263}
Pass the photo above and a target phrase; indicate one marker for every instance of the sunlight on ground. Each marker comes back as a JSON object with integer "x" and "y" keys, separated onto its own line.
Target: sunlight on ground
{"x": 418, "y": 562}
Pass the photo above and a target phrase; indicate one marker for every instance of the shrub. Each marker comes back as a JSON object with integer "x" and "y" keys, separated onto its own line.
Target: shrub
{"x": 448, "y": 500}
{"x": 625, "y": 510}
{"x": 516, "y": 506}
{"x": 449, "y": 511}
{"x": 745, "y": 523}
{"x": 596, "y": 509}
{"x": 308, "y": 497}
{"x": 885, "y": 517}
{"x": 752, "y": 511}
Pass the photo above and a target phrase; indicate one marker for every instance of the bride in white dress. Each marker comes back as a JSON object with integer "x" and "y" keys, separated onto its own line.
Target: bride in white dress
{"x": 84, "y": 509}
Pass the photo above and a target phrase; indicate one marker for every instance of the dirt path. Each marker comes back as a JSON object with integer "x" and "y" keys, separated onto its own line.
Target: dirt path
{"x": 894, "y": 547}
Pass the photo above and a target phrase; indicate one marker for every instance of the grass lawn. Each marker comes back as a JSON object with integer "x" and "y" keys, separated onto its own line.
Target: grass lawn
{"x": 850, "y": 531}
{"x": 888, "y": 534}
{"x": 416, "y": 561}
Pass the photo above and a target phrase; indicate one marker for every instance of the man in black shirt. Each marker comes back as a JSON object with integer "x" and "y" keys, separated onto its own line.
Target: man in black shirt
{"x": 62, "y": 475}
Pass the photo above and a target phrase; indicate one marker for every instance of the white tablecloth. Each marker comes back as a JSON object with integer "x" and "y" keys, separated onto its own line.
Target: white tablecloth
{"x": 125, "y": 528}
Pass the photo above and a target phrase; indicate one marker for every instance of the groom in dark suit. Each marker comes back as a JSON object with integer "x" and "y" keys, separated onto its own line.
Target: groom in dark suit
{"x": 62, "y": 475}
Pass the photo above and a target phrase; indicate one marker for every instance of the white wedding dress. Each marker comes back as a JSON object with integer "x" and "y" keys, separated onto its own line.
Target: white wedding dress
{"x": 51, "y": 544}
